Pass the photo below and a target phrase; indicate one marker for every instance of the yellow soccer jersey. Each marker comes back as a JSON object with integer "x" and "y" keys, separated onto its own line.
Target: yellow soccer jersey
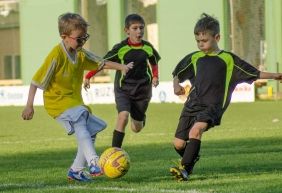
{"x": 60, "y": 77}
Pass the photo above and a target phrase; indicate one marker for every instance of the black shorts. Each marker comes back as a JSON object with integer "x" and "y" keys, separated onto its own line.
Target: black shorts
{"x": 186, "y": 123}
{"x": 134, "y": 100}
{"x": 184, "y": 126}
{"x": 194, "y": 112}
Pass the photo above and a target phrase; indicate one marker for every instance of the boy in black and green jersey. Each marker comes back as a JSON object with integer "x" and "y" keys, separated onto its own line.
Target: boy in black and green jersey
{"x": 213, "y": 74}
{"x": 133, "y": 91}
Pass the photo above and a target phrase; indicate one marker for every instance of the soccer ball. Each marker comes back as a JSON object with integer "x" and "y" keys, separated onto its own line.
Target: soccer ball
{"x": 114, "y": 162}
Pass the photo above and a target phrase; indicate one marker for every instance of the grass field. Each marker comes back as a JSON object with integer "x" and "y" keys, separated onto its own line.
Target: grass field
{"x": 242, "y": 155}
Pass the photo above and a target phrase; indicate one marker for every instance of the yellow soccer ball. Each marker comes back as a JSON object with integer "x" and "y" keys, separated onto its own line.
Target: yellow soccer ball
{"x": 114, "y": 162}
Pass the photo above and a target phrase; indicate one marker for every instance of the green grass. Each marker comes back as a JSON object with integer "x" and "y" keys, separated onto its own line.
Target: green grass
{"x": 242, "y": 155}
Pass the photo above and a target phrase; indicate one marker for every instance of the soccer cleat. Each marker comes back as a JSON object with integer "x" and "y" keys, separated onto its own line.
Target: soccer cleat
{"x": 79, "y": 176}
{"x": 190, "y": 171}
{"x": 179, "y": 173}
{"x": 94, "y": 169}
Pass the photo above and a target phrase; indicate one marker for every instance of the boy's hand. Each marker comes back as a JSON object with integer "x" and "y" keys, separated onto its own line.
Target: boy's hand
{"x": 127, "y": 67}
{"x": 155, "y": 81}
{"x": 86, "y": 84}
{"x": 27, "y": 113}
{"x": 179, "y": 90}
{"x": 269, "y": 75}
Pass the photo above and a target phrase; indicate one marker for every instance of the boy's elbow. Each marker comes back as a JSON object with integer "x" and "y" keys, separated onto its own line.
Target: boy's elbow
{"x": 106, "y": 65}
{"x": 175, "y": 79}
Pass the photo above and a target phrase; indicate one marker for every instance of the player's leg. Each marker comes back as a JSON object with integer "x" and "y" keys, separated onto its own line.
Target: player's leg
{"x": 181, "y": 134}
{"x": 180, "y": 143}
{"x": 123, "y": 107}
{"x": 75, "y": 172}
{"x": 138, "y": 113}
{"x": 95, "y": 125}
{"x": 191, "y": 153}
{"x": 79, "y": 161}
{"x": 139, "y": 105}
{"x": 178, "y": 171}
{"x": 179, "y": 146}
{"x": 119, "y": 131}
{"x": 85, "y": 144}
{"x": 136, "y": 126}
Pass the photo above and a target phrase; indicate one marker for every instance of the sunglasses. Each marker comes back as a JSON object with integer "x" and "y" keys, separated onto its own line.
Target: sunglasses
{"x": 81, "y": 40}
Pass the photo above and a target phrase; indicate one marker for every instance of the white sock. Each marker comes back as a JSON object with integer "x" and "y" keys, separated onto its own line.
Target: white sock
{"x": 84, "y": 140}
{"x": 79, "y": 161}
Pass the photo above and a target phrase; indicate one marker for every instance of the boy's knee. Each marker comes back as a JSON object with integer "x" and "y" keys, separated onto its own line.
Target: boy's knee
{"x": 179, "y": 144}
{"x": 136, "y": 126}
{"x": 135, "y": 129}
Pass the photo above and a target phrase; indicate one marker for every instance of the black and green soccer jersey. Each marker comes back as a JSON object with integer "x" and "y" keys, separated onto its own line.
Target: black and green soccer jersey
{"x": 143, "y": 56}
{"x": 213, "y": 78}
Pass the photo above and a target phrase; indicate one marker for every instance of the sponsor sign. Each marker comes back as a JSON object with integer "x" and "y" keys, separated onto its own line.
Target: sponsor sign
{"x": 104, "y": 94}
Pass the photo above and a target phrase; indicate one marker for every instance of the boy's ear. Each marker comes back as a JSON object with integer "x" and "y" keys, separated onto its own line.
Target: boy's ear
{"x": 63, "y": 36}
{"x": 217, "y": 37}
{"x": 126, "y": 31}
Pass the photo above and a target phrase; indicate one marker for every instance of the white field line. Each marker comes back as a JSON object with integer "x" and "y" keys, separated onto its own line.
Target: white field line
{"x": 101, "y": 188}
{"x": 34, "y": 141}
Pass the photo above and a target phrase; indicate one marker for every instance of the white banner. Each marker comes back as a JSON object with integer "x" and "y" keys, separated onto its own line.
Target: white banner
{"x": 104, "y": 94}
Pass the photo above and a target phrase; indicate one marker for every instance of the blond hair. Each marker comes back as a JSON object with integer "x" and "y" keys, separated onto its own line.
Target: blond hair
{"x": 69, "y": 22}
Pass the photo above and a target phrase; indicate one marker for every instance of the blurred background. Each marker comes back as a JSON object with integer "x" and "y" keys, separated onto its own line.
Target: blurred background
{"x": 252, "y": 29}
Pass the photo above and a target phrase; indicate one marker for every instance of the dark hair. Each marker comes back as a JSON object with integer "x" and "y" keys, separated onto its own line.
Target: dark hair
{"x": 206, "y": 24}
{"x": 133, "y": 18}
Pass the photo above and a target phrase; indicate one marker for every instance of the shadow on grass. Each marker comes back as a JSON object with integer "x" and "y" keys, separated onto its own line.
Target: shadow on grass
{"x": 149, "y": 163}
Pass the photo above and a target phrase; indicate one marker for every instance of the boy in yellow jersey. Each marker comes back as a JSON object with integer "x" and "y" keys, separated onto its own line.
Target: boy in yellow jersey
{"x": 60, "y": 77}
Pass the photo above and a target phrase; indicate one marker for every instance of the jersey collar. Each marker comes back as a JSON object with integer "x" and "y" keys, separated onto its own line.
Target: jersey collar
{"x": 134, "y": 44}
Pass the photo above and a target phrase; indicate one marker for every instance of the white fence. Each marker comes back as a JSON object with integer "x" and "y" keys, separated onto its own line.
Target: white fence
{"x": 104, "y": 94}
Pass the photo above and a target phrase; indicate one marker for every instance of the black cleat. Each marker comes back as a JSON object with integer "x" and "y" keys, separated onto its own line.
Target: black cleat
{"x": 179, "y": 173}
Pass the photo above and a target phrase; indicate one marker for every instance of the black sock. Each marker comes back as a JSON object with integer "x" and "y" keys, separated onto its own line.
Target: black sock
{"x": 117, "y": 138}
{"x": 191, "y": 154}
{"x": 181, "y": 151}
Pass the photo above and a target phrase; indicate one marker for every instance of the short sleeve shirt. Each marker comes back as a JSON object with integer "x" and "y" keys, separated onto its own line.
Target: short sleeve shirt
{"x": 61, "y": 78}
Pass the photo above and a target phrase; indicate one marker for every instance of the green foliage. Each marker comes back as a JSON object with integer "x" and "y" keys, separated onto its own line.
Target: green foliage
{"x": 244, "y": 154}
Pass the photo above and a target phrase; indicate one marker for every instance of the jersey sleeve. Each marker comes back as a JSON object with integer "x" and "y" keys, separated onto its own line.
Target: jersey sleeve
{"x": 244, "y": 72}
{"x": 44, "y": 74}
{"x": 155, "y": 58}
{"x": 92, "y": 61}
{"x": 184, "y": 69}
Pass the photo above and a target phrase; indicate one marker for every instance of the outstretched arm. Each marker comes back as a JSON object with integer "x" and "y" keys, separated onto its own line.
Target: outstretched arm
{"x": 118, "y": 66}
{"x": 270, "y": 75}
{"x": 108, "y": 65}
{"x": 28, "y": 111}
